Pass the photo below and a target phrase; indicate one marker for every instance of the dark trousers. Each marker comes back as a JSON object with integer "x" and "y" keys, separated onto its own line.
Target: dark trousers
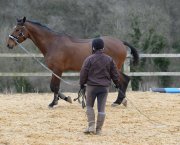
{"x": 98, "y": 92}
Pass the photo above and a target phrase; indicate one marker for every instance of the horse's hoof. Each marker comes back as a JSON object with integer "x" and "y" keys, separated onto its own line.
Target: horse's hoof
{"x": 55, "y": 102}
{"x": 124, "y": 102}
{"x": 50, "y": 105}
{"x": 69, "y": 99}
{"x": 114, "y": 105}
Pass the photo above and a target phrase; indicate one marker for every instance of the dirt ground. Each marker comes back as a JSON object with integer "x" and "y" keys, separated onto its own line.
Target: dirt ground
{"x": 150, "y": 119}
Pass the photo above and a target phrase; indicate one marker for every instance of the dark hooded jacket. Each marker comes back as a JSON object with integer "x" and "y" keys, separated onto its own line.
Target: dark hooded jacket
{"x": 98, "y": 69}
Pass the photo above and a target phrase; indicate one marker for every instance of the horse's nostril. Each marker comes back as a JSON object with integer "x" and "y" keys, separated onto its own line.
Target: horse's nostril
{"x": 10, "y": 47}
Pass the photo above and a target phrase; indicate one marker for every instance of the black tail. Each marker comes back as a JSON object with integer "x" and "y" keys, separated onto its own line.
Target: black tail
{"x": 133, "y": 52}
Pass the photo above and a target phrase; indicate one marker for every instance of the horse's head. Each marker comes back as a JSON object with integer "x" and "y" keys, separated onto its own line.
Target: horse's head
{"x": 19, "y": 34}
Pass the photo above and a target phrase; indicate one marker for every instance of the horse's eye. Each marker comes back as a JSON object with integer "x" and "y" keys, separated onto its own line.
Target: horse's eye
{"x": 20, "y": 34}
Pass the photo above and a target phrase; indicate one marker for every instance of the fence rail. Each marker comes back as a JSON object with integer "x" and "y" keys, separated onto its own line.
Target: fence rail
{"x": 40, "y": 55}
{"x": 70, "y": 74}
{"x": 36, "y": 74}
{"x": 128, "y": 72}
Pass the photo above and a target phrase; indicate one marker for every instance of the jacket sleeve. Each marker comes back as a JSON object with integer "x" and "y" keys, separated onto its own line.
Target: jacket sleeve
{"x": 84, "y": 72}
{"x": 114, "y": 73}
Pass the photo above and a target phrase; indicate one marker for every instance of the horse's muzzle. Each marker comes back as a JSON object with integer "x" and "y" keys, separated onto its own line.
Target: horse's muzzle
{"x": 10, "y": 47}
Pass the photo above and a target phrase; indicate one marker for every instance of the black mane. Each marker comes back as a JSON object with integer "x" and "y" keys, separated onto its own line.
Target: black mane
{"x": 73, "y": 39}
{"x": 39, "y": 24}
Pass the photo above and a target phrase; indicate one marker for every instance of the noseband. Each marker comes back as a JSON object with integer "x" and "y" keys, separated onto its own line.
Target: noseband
{"x": 16, "y": 38}
{"x": 13, "y": 38}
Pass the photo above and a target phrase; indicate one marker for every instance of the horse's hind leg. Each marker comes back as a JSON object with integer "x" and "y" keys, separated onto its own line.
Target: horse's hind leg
{"x": 122, "y": 91}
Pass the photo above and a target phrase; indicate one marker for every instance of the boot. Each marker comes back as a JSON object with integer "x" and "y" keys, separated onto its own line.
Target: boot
{"x": 91, "y": 121}
{"x": 124, "y": 102}
{"x": 68, "y": 99}
{"x": 100, "y": 122}
{"x": 62, "y": 96}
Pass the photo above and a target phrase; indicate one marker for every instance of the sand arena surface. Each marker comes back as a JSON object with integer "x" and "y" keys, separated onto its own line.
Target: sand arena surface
{"x": 26, "y": 120}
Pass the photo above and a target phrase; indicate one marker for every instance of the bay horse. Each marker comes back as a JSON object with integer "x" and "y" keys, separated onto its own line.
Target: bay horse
{"x": 63, "y": 52}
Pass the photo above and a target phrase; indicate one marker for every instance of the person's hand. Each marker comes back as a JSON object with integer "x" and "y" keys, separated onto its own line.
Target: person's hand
{"x": 82, "y": 86}
{"x": 118, "y": 86}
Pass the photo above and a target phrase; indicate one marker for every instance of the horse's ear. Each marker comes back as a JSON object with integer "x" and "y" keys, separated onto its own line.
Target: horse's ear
{"x": 17, "y": 19}
{"x": 24, "y": 19}
{"x": 21, "y": 21}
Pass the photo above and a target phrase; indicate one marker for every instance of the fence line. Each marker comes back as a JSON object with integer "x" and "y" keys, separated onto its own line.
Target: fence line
{"x": 20, "y": 55}
{"x": 129, "y": 73}
{"x": 40, "y": 55}
{"x": 126, "y": 66}
{"x": 36, "y": 74}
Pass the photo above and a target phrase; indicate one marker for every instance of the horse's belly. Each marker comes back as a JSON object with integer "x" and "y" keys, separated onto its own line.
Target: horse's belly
{"x": 74, "y": 67}
{"x": 75, "y": 62}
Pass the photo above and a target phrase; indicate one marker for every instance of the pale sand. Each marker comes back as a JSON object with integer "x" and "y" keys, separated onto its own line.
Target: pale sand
{"x": 26, "y": 120}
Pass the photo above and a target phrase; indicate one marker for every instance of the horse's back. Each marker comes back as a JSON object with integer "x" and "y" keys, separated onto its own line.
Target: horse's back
{"x": 74, "y": 52}
{"x": 116, "y": 49}
{"x": 112, "y": 46}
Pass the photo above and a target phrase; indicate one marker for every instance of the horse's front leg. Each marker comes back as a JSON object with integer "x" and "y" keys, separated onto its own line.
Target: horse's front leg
{"x": 122, "y": 91}
{"x": 55, "y": 85}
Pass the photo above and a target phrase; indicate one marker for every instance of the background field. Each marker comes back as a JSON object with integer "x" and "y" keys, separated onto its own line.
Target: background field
{"x": 149, "y": 119}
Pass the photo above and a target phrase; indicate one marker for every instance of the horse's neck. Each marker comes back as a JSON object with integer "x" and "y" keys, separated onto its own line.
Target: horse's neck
{"x": 39, "y": 36}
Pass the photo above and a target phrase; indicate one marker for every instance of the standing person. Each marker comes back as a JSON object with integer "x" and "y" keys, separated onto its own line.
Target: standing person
{"x": 97, "y": 71}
